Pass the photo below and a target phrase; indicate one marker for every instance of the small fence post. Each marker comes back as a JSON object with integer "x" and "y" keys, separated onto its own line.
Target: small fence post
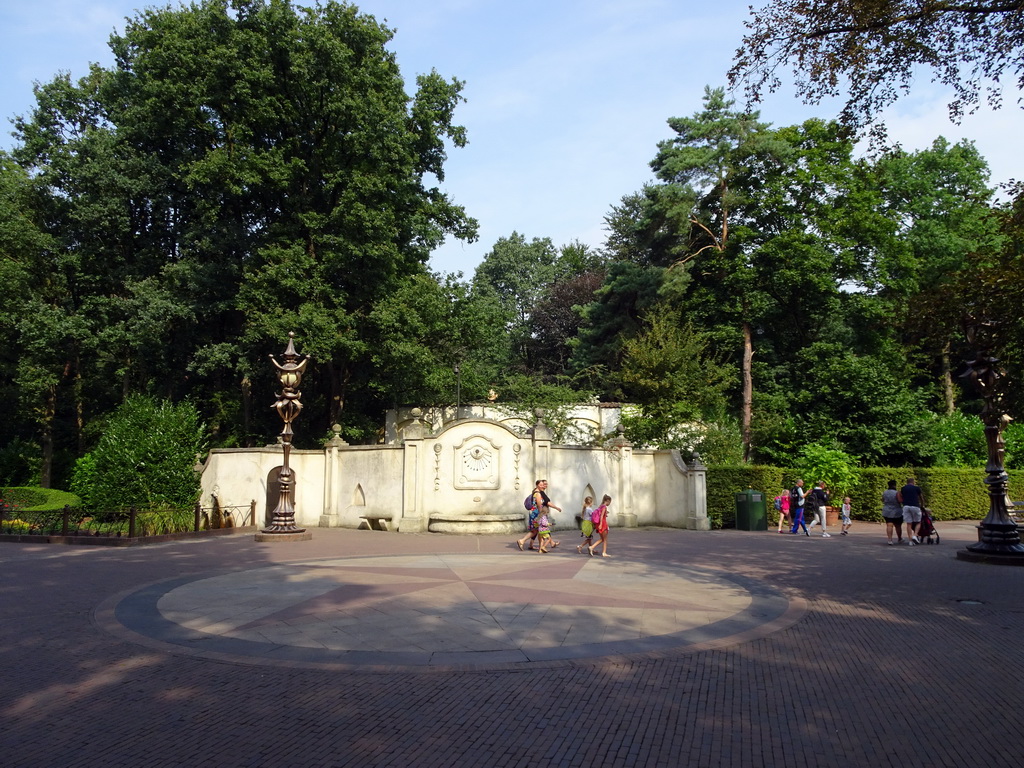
{"x": 252, "y": 512}
{"x": 64, "y": 522}
{"x": 131, "y": 523}
{"x": 199, "y": 513}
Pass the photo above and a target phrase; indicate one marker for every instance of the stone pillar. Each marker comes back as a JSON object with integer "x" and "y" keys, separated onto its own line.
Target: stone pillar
{"x": 410, "y": 517}
{"x": 697, "y": 503}
{"x": 331, "y": 517}
{"x": 625, "y": 516}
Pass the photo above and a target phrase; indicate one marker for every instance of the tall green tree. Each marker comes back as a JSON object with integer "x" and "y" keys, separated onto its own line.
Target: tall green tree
{"x": 940, "y": 199}
{"x": 46, "y": 328}
{"x": 423, "y": 331}
{"x": 703, "y": 170}
{"x": 613, "y": 316}
{"x": 517, "y": 273}
{"x": 542, "y": 290}
{"x": 246, "y": 168}
{"x": 669, "y": 371}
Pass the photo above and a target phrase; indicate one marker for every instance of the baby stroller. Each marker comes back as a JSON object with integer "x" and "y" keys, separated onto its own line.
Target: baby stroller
{"x": 926, "y": 529}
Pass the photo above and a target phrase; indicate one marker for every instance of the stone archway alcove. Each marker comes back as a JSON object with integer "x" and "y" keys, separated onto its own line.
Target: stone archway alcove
{"x": 273, "y": 493}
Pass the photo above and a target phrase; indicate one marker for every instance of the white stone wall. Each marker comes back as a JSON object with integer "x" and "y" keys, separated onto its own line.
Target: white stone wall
{"x": 469, "y": 467}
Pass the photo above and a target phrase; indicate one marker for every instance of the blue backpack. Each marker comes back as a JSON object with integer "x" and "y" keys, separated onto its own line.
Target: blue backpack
{"x": 528, "y": 502}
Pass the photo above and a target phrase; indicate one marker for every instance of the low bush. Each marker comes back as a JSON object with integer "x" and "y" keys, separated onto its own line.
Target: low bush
{"x": 38, "y": 499}
{"x": 145, "y": 458}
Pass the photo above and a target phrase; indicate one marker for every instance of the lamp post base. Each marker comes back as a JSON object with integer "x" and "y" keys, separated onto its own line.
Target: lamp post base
{"x": 991, "y": 558}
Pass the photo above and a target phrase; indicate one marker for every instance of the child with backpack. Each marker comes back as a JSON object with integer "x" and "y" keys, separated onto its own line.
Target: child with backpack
{"x": 586, "y": 524}
{"x": 544, "y": 532}
{"x": 782, "y": 505}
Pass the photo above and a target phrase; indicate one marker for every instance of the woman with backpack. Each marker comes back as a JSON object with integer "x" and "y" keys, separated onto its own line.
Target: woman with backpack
{"x": 541, "y": 506}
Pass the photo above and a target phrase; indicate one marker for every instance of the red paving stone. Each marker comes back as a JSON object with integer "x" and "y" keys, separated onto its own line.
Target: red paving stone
{"x": 903, "y": 657}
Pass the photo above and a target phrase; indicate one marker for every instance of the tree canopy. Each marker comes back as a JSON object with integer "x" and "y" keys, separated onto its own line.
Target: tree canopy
{"x": 871, "y": 50}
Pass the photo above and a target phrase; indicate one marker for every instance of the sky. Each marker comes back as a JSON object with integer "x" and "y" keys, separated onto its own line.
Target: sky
{"x": 566, "y": 100}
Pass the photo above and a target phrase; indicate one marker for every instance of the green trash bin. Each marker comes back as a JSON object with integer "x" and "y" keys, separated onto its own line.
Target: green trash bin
{"x": 751, "y": 511}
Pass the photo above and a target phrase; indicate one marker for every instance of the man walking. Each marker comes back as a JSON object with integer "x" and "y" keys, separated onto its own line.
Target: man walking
{"x": 912, "y": 499}
{"x": 797, "y": 497}
{"x": 819, "y": 502}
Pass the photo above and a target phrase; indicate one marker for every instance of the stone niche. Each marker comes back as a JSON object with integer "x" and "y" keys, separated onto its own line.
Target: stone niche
{"x": 476, "y": 479}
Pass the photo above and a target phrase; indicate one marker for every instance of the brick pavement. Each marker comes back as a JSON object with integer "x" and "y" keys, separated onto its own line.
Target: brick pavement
{"x": 895, "y": 657}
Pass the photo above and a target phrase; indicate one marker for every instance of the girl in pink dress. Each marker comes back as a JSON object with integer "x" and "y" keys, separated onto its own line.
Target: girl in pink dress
{"x": 783, "y": 509}
{"x": 600, "y": 519}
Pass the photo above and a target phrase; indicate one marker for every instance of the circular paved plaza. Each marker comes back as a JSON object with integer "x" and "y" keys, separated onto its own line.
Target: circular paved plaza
{"x": 447, "y": 610}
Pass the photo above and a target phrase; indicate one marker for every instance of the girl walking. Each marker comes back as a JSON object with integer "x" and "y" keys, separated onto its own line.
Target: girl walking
{"x": 586, "y": 524}
{"x": 783, "y": 509}
{"x": 544, "y": 532}
{"x": 600, "y": 521}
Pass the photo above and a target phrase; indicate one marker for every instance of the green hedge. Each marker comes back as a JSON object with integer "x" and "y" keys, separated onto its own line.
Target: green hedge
{"x": 952, "y": 493}
{"x": 38, "y": 499}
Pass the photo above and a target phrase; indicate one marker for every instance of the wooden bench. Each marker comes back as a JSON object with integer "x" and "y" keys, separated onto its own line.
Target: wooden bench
{"x": 375, "y": 522}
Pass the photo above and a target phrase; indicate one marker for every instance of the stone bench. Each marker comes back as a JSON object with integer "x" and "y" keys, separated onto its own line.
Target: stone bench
{"x": 477, "y": 523}
{"x": 376, "y": 522}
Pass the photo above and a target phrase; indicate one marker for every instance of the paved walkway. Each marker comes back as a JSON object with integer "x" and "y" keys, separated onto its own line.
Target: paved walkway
{"x": 363, "y": 648}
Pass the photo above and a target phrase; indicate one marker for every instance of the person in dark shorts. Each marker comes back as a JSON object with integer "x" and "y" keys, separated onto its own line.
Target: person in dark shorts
{"x": 819, "y": 506}
{"x": 892, "y": 513}
{"x": 912, "y": 500}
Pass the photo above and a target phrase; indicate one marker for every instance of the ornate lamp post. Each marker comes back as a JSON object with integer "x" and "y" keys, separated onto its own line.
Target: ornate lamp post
{"x": 282, "y": 523}
{"x": 999, "y": 540}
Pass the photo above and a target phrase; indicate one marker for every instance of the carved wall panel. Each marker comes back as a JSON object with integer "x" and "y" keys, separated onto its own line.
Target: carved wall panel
{"x": 477, "y": 464}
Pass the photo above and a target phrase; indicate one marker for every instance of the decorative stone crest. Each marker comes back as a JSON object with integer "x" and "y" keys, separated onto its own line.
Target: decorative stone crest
{"x": 476, "y": 464}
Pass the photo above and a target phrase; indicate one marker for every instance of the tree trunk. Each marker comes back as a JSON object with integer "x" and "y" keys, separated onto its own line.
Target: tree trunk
{"x": 947, "y": 381}
{"x": 748, "y": 389}
{"x": 49, "y": 411}
{"x": 339, "y": 385}
{"x": 246, "y": 387}
{"x": 79, "y": 409}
